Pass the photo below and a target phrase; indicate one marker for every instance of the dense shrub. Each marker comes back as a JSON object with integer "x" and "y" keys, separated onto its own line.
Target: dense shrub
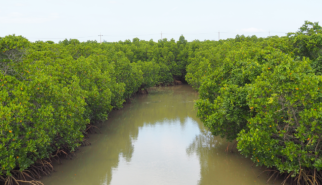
{"x": 266, "y": 94}
{"x": 263, "y": 92}
{"x": 50, "y": 92}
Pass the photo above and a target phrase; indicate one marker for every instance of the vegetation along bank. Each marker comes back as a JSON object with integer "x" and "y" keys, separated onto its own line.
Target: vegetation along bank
{"x": 263, "y": 92}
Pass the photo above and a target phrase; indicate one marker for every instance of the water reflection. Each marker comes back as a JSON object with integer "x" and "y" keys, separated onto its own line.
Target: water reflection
{"x": 160, "y": 156}
{"x": 217, "y": 166}
{"x": 156, "y": 139}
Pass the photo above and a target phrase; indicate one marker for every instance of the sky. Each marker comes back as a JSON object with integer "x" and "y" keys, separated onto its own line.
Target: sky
{"x": 126, "y": 19}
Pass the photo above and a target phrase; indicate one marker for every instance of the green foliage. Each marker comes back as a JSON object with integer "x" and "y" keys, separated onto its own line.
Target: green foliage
{"x": 265, "y": 93}
{"x": 12, "y": 50}
{"x": 285, "y": 130}
{"x": 150, "y": 72}
{"x": 310, "y": 28}
{"x": 49, "y": 92}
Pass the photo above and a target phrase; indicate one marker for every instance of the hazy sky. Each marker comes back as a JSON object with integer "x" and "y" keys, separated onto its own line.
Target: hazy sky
{"x": 125, "y": 19}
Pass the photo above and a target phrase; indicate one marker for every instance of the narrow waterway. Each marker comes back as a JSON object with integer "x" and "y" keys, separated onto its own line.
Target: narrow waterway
{"x": 156, "y": 140}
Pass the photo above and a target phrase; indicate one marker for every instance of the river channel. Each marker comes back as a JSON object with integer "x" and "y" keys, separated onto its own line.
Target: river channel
{"x": 156, "y": 140}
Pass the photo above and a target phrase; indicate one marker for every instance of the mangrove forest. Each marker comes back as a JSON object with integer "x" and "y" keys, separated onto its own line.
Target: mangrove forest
{"x": 263, "y": 94}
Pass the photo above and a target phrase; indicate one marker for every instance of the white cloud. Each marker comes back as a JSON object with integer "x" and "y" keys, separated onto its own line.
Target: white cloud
{"x": 173, "y": 9}
{"x": 112, "y": 2}
{"x": 252, "y": 30}
{"x": 20, "y": 5}
{"x": 16, "y": 17}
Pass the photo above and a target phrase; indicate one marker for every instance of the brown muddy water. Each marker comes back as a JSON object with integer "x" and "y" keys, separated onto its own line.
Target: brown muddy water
{"x": 156, "y": 140}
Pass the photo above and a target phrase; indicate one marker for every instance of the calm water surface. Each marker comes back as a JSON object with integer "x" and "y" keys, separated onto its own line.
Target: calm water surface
{"x": 156, "y": 140}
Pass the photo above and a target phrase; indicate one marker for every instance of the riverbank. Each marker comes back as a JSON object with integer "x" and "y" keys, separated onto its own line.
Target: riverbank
{"x": 44, "y": 167}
